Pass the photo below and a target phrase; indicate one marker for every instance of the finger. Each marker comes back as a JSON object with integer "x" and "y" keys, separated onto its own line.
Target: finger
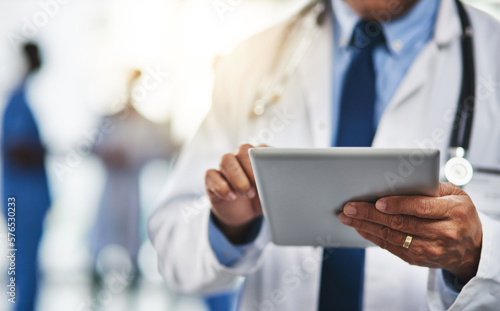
{"x": 412, "y": 255}
{"x": 242, "y": 156}
{"x": 403, "y": 223}
{"x": 384, "y": 233}
{"x": 447, "y": 188}
{"x": 231, "y": 168}
{"x": 419, "y": 206}
{"x": 217, "y": 186}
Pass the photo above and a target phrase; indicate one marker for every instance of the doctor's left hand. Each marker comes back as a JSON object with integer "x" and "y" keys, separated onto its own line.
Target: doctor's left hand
{"x": 446, "y": 230}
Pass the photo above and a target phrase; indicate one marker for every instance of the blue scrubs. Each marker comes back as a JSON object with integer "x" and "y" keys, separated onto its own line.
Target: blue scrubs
{"x": 25, "y": 179}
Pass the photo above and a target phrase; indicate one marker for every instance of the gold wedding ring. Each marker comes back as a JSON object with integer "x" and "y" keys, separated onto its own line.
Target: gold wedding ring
{"x": 407, "y": 242}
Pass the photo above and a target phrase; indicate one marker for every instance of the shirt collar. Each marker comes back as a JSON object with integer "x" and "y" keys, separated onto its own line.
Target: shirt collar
{"x": 415, "y": 28}
{"x": 345, "y": 21}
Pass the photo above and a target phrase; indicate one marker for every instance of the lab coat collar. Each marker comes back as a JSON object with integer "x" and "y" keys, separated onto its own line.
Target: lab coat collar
{"x": 447, "y": 23}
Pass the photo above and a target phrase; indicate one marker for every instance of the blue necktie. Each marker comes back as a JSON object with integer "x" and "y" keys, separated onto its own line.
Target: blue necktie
{"x": 342, "y": 273}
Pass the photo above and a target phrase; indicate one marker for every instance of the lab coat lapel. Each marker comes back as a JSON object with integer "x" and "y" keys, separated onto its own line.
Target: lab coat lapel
{"x": 447, "y": 29}
{"x": 416, "y": 77}
{"x": 315, "y": 78}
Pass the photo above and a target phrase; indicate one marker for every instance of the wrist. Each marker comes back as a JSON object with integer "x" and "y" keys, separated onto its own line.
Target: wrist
{"x": 468, "y": 270}
{"x": 452, "y": 281}
{"x": 234, "y": 233}
{"x": 465, "y": 274}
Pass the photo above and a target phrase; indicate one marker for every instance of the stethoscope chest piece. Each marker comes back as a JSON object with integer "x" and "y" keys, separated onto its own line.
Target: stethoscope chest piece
{"x": 458, "y": 169}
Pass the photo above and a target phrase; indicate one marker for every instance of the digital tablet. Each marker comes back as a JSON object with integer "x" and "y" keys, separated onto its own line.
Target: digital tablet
{"x": 303, "y": 191}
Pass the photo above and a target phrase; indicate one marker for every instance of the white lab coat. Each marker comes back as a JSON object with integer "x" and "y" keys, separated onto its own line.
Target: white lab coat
{"x": 419, "y": 115}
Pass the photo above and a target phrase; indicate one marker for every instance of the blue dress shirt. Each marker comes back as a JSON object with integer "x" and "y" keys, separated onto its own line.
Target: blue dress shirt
{"x": 405, "y": 39}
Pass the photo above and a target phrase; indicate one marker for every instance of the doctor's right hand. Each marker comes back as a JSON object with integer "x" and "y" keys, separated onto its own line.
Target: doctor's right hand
{"x": 233, "y": 194}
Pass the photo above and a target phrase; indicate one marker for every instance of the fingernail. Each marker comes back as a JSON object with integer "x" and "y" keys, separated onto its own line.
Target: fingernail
{"x": 251, "y": 193}
{"x": 350, "y": 210}
{"x": 381, "y": 205}
{"x": 232, "y": 196}
{"x": 344, "y": 219}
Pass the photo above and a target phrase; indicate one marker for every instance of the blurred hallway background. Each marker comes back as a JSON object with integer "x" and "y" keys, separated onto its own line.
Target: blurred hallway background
{"x": 89, "y": 48}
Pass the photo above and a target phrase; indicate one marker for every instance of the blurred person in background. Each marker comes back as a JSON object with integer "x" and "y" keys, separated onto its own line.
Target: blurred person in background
{"x": 132, "y": 142}
{"x": 381, "y": 73}
{"x": 25, "y": 180}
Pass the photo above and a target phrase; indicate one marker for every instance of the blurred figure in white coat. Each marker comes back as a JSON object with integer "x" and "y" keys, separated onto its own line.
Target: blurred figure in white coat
{"x": 132, "y": 142}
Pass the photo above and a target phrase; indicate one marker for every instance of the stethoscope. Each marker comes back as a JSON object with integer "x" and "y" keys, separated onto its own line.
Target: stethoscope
{"x": 458, "y": 170}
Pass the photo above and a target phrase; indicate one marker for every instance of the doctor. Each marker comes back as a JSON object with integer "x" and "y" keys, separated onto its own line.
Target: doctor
{"x": 380, "y": 73}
